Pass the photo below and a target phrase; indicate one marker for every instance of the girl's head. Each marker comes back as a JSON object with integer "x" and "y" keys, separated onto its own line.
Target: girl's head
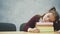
{"x": 51, "y": 16}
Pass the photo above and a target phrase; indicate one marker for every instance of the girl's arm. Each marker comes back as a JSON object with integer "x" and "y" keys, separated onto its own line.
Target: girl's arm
{"x": 31, "y": 23}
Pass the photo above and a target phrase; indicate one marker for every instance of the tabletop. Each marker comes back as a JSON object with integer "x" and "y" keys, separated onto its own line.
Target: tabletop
{"x": 29, "y": 33}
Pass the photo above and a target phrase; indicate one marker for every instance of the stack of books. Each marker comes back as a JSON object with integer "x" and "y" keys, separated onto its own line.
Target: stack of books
{"x": 45, "y": 27}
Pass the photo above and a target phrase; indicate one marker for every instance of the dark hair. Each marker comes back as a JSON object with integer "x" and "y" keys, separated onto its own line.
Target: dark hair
{"x": 53, "y": 10}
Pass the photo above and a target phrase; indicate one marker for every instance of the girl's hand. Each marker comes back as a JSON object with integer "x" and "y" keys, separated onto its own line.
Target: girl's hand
{"x": 33, "y": 30}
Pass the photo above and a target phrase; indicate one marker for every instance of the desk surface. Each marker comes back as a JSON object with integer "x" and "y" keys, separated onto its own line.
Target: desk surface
{"x": 29, "y": 33}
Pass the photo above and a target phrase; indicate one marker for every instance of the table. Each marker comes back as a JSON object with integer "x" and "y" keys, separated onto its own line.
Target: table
{"x": 29, "y": 33}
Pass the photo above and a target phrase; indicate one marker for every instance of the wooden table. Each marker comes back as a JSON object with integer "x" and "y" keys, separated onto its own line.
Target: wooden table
{"x": 29, "y": 33}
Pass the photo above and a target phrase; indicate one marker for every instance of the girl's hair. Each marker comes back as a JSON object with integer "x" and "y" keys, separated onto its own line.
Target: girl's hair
{"x": 54, "y": 12}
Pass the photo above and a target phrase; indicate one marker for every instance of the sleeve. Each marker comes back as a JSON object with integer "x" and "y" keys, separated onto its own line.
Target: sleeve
{"x": 31, "y": 23}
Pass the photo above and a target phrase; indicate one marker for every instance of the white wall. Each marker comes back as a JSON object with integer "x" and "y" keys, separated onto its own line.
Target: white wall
{"x": 20, "y": 11}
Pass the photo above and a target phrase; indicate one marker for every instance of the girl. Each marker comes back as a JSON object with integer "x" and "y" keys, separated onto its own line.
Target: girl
{"x": 50, "y": 16}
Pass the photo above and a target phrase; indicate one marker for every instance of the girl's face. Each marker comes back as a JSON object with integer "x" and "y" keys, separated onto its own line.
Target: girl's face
{"x": 49, "y": 17}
